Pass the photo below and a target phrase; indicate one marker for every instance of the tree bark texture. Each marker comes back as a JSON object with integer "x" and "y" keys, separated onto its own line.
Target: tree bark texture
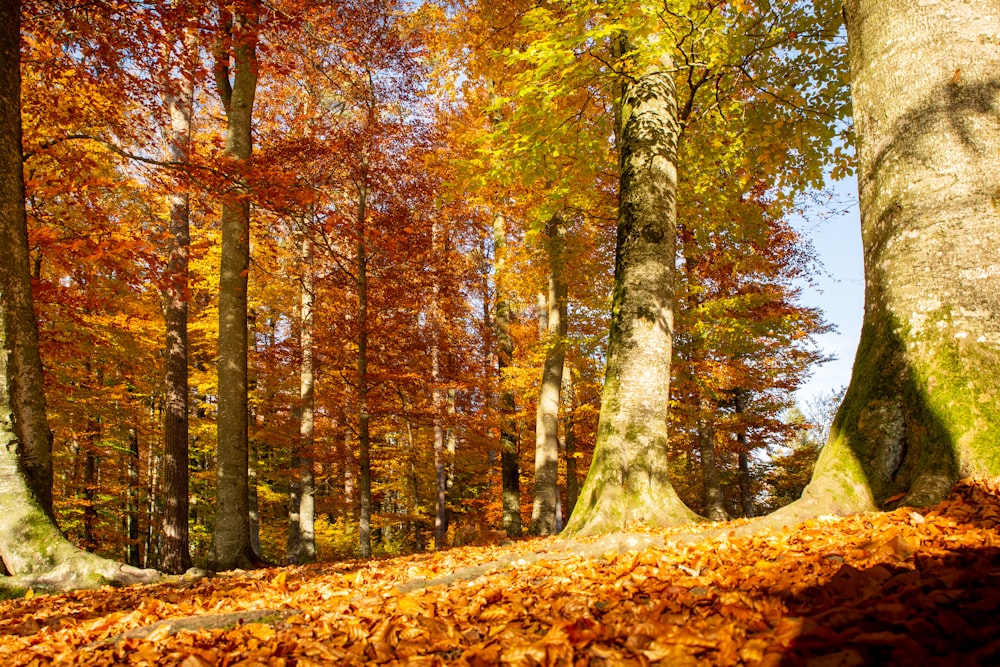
{"x": 27, "y": 393}
{"x": 510, "y": 470}
{"x": 231, "y": 547}
{"x": 544, "y": 518}
{"x": 628, "y": 481}
{"x": 301, "y": 511}
{"x": 922, "y": 405}
{"x": 175, "y": 556}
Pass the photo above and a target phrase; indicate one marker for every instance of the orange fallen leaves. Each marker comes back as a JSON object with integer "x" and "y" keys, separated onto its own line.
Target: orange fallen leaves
{"x": 903, "y": 587}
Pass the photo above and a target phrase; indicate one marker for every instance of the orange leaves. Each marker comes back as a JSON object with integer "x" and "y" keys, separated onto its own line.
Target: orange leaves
{"x": 868, "y": 589}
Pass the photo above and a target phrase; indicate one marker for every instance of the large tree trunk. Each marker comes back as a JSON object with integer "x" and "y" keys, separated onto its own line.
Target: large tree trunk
{"x": 27, "y": 392}
{"x": 231, "y": 547}
{"x": 628, "y": 480}
{"x": 921, "y": 409}
{"x": 510, "y": 470}
{"x": 301, "y": 510}
{"x": 175, "y": 556}
{"x": 544, "y": 518}
{"x": 31, "y": 547}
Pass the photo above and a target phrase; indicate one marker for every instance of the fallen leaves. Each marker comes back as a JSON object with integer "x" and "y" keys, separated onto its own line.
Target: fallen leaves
{"x": 892, "y": 588}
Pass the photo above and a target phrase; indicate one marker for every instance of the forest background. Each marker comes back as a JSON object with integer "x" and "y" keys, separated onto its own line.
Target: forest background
{"x": 431, "y": 204}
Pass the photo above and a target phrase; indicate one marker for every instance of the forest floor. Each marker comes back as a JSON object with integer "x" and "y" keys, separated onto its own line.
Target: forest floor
{"x": 918, "y": 587}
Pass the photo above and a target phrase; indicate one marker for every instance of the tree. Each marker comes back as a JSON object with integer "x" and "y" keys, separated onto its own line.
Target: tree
{"x": 236, "y": 39}
{"x": 922, "y": 405}
{"x": 31, "y": 546}
{"x": 178, "y": 97}
{"x": 628, "y": 479}
{"x": 544, "y": 520}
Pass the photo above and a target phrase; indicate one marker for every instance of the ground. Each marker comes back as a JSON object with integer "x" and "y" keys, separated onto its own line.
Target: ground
{"x": 903, "y": 587}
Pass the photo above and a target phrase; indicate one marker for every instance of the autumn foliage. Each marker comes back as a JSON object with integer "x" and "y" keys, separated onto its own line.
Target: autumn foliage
{"x": 904, "y": 587}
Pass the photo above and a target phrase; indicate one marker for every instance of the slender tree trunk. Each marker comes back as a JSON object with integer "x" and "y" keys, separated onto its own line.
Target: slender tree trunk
{"x": 132, "y": 556}
{"x": 27, "y": 394}
{"x": 231, "y": 547}
{"x": 437, "y": 406}
{"x": 715, "y": 508}
{"x": 179, "y": 99}
{"x": 364, "y": 437}
{"x": 569, "y": 439}
{"x": 509, "y": 465}
{"x": 90, "y": 462}
{"x": 544, "y": 509}
{"x": 921, "y": 407}
{"x": 746, "y": 487}
{"x": 301, "y": 511}
{"x": 628, "y": 480}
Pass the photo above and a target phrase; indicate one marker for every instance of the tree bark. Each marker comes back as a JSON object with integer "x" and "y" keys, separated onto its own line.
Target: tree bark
{"x": 179, "y": 98}
{"x": 715, "y": 507}
{"x": 544, "y": 518}
{"x": 231, "y": 547}
{"x": 921, "y": 409}
{"x": 32, "y": 549}
{"x": 569, "y": 438}
{"x": 27, "y": 393}
{"x": 510, "y": 470}
{"x": 301, "y": 511}
{"x": 628, "y": 480}
{"x": 364, "y": 436}
{"x": 132, "y": 555}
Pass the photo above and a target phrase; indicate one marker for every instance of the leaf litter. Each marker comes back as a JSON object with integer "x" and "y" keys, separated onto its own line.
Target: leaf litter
{"x": 902, "y": 587}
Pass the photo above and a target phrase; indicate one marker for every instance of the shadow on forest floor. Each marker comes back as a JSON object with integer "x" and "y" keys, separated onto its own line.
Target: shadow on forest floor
{"x": 909, "y": 586}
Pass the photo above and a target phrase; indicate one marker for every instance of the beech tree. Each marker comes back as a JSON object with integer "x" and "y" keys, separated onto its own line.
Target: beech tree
{"x": 234, "y": 51}
{"x": 922, "y": 406}
{"x": 31, "y": 546}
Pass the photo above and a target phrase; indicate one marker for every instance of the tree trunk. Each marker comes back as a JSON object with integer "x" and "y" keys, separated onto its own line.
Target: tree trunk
{"x": 364, "y": 437}
{"x": 569, "y": 439}
{"x": 437, "y": 406}
{"x": 921, "y": 409}
{"x": 231, "y": 547}
{"x": 31, "y": 547}
{"x": 301, "y": 511}
{"x": 90, "y": 463}
{"x": 715, "y": 507}
{"x": 27, "y": 392}
{"x": 628, "y": 481}
{"x": 509, "y": 467}
{"x": 132, "y": 555}
{"x": 543, "y": 512}
{"x": 175, "y": 556}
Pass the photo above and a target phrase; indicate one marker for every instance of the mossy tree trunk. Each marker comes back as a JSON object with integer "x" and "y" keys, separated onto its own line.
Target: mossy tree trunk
{"x": 231, "y": 545}
{"x": 27, "y": 393}
{"x": 628, "y": 480}
{"x": 33, "y": 550}
{"x": 923, "y": 406}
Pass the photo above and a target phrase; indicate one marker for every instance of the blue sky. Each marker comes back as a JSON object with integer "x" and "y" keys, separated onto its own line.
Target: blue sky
{"x": 835, "y": 230}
